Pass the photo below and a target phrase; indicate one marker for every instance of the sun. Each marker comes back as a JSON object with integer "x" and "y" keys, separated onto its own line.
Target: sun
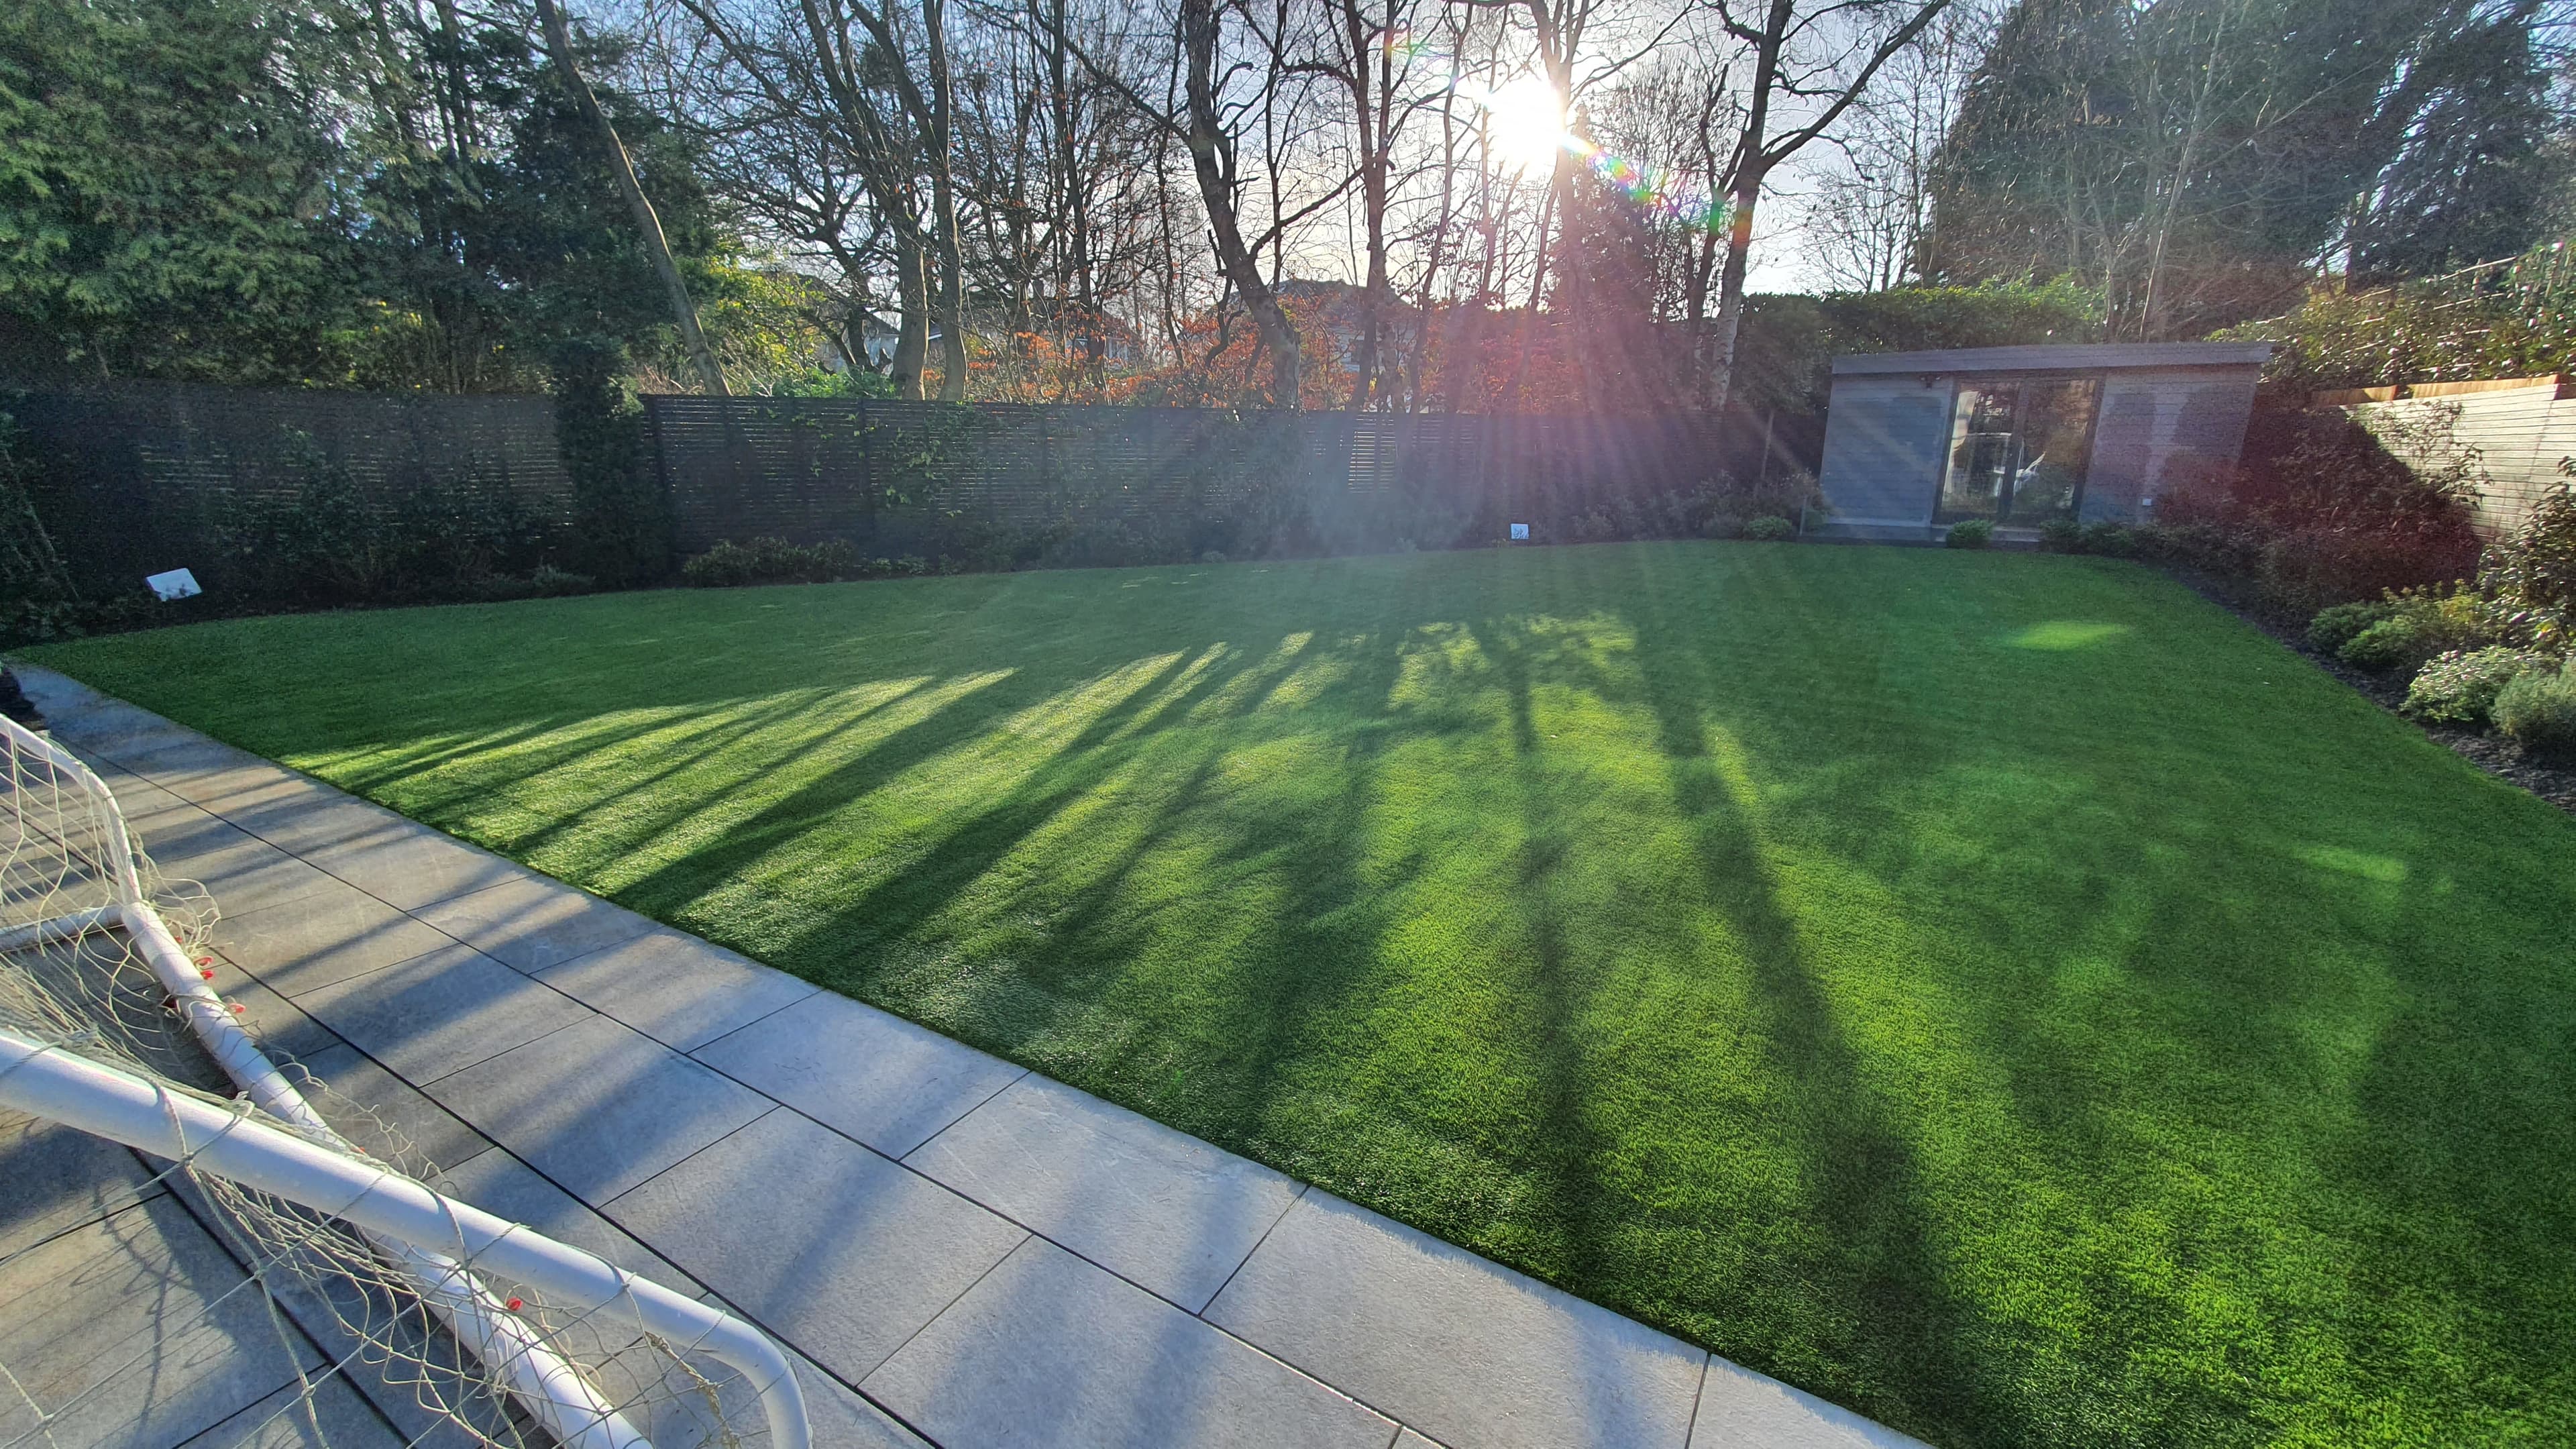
{"x": 1525, "y": 124}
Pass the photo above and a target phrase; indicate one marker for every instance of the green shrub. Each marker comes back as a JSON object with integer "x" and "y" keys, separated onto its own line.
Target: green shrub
{"x": 1972, "y": 533}
{"x": 2535, "y": 571}
{"x": 2062, "y": 535}
{"x": 731, "y": 565}
{"x": 2539, "y": 709}
{"x": 2335, "y": 624}
{"x": 621, "y": 516}
{"x": 1723, "y": 525}
{"x": 2109, "y": 539}
{"x": 1769, "y": 528}
{"x": 2461, "y": 687}
{"x": 2421, "y": 627}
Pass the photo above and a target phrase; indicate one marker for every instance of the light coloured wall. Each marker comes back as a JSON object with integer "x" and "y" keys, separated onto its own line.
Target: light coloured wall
{"x": 2521, "y": 434}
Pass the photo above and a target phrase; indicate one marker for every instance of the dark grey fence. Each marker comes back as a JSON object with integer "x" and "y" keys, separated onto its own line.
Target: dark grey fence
{"x": 885, "y": 474}
{"x": 142, "y": 477}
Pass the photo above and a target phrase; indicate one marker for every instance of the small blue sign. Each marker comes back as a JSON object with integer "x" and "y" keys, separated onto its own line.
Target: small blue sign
{"x": 1520, "y": 533}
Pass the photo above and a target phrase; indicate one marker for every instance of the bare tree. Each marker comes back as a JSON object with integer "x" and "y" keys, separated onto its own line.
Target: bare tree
{"x": 647, "y": 222}
{"x": 1797, "y": 59}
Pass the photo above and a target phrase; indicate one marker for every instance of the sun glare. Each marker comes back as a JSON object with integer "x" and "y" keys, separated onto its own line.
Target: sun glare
{"x": 1525, "y": 124}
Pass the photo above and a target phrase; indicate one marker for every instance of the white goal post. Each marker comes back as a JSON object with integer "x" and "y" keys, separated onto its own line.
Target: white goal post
{"x": 86, "y": 951}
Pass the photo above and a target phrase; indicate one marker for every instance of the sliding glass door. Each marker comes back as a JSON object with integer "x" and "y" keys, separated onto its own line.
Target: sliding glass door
{"x": 2018, "y": 449}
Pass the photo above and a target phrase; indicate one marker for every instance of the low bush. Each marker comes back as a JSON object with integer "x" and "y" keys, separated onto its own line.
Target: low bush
{"x": 2422, "y": 627}
{"x": 1769, "y": 528}
{"x": 1972, "y": 533}
{"x": 2335, "y": 624}
{"x": 2062, "y": 535}
{"x": 2460, "y": 687}
{"x": 731, "y": 565}
{"x": 2535, "y": 571}
{"x": 2109, "y": 539}
{"x": 2539, "y": 710}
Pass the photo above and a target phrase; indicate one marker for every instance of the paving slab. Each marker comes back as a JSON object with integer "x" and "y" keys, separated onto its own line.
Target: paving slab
{"x": 135, "y": 1331}
{"x": 381, "y": 1113}
{"x": 1411, "y": 1440}
{"x": 1741, "y": 1409}
{"x": 599, "y": 1107}
{"x": 409, "y": 865}
{"x": 435, "y": 1015}
{"x": 319, "y": 939}
{"x": 245, "y": 873}
{"x": 500, "y": 1183}
{"x": 861, "y": 1071}
{"x": 1160, "y": 1208}
{"x": 53, "y": 1180}
{"x": 675, "y": 988}
{"x": 282, "y": 1029}
{"x": 1474, "y": 1354}
{"x": 301, "y": 815}
{"x": 841, "y": 1419}
{"x": 1048, "y": 1350}
{"x": 835, "y": 1249}
{"x": 533, "y": 923}
{"x": 136, "y": 797}
{"x": 336, "y": 1416}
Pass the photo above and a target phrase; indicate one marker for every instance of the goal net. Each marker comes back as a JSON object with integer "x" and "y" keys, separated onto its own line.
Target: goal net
{"x": 455, "y": 1326}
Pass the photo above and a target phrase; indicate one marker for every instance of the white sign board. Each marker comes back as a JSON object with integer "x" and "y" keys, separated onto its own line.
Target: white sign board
{"x": 1520, "y": 533}
{"x": 176, "y": 584}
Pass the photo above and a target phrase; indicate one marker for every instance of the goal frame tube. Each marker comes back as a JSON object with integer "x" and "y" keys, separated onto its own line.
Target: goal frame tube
{"x": 231, "y": 1144}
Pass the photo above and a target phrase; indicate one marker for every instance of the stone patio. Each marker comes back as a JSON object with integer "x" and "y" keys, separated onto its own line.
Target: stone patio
{"x": 964, "y": 1254}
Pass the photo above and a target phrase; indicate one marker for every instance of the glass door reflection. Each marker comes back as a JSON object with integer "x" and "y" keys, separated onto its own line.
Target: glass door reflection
{"x": 2018, "y": 450}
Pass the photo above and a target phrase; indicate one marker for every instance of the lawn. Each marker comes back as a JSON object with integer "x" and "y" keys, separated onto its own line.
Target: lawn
{"x": 2003, "y": 994}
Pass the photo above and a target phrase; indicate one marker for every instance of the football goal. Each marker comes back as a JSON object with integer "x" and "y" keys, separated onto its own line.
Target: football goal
{"x": 114, "y": 1023}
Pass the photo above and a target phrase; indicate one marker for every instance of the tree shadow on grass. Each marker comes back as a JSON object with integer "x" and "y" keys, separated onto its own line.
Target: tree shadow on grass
{"x": 1893, "y": 1339}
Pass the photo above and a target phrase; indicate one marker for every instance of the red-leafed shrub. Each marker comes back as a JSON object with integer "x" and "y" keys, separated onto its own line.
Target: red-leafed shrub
{"x": 2321, "y": 510}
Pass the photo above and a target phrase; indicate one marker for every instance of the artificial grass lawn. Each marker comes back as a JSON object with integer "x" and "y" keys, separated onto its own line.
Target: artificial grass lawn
{"x": 2003, "y": 994}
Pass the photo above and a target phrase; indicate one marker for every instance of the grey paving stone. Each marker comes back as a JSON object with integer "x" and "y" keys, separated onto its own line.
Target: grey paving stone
{"x": 135, "y": 796}
{"x": 1741, "y": 1409}
{"x": 1157, "y": 1207}
{"x": 876, "y": 1077}
{"x": 321, "y": 938}
{"x": 336, "y": 1417}
{"x": 54, "y": 1179}
{"x": 381, "y": 1113}
{"x": 281, "y": 1027}
{"x": 437, "y": 1014}
{"x": 300, "y": 815}
{"x": 675, "y": 988}
{"x": 1478, "y": 1356}
{"x": 129, "y": 1331}
{"x": 1407, "y": 1439}
{"x": 840, "y": 1418}
{"x": 500, "y": 1183}
{"x": 1049, "y": 1350}
{"x": 243, "y": 874}
{"x": 407, "y": 864}
{"x": 533, "y": 923}
{"x": 831, "y": 1247}
{"x": 599, "y": 1107}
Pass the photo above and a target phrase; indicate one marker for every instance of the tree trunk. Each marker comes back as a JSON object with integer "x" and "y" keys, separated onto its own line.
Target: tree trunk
{"x": 684, "y": 312}
{"x": 1212, "y": 157}
{"x": 912, "y": 329}
{"x": 943, "y": 202}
